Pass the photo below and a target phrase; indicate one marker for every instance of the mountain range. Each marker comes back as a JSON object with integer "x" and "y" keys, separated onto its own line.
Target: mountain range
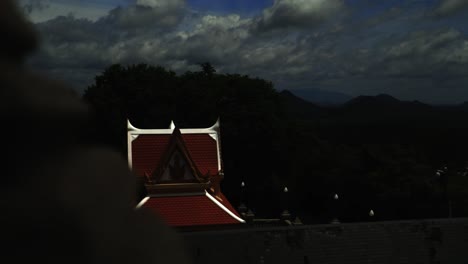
{"x": 383, "y": 118}
{"x": 331, "y": 98}
{"x": 322, "y": 97}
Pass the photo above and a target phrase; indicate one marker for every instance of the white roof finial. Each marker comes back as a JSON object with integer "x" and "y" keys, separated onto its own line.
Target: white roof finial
{"x": 285, "y": 189}
{"x": 242, "y": 184}
{"x": 371, "y": 212}
{"x": 130, "y": 127}
{"x": 336, "y": 196}
{"x": 172, "y": 125}
{"x": 215, "y": 126}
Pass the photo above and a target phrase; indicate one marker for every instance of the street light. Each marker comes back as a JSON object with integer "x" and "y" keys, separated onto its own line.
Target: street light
{"x": 442, "y": 175}
{"x": 285, "y": 215}
{"x": 335, "y": 209}
{"x": 242, "y": 207}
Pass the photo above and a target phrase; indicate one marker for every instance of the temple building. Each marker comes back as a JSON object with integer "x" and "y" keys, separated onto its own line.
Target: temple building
{"x": 181, "y": 170}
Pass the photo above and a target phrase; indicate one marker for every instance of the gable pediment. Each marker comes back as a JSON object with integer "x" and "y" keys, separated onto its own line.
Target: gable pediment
{"x": 176, "y": 171}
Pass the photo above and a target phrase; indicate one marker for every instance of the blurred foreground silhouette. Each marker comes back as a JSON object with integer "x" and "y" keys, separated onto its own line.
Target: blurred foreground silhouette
{"x": 64, "y": 198}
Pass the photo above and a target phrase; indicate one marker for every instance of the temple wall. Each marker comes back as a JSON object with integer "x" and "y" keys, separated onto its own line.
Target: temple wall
{"x": 443, "y": 241}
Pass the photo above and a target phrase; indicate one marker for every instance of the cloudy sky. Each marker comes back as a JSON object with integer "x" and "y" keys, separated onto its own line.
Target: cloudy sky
{"x": 410, "y": 49}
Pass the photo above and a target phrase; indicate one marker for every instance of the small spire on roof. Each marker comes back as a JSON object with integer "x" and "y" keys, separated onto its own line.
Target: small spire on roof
{"x": 285, "y": 189}
{"x": 215, "y": 126}
{"x": 297, "y": 221}
{"x": 285, "y": 215}
{"x": 130, "y": 127}
{"x": 249, "y": 216}
{"x": 371, "y": 212}
{"x": 242, "y": 184}
{"x": 172, "y": 125}
{"x": 336, "y": 196}
{"x": 148, "y": 178}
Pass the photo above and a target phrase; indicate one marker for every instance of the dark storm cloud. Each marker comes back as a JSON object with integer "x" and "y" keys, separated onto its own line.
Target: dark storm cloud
{"x": 73, "y": 48}
{"x": 425, "y": 65}
{"x": 166, "y": 33}
{"x": 385, "y": 17}
{"x": 450, "y": 7}
{"x": 29, "y": 6}
{"x": 163, "y": 14}
{"x": 410, "y": 63}
{"x": 297, "y": 13}
{"x": 214, "y": 38}
{"x": 427, "y": 53}
{"x": 68, "y": 29}
{"x": 395, "y": 45}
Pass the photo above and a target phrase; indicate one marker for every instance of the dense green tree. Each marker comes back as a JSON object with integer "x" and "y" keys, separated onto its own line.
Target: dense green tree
{"x": 376, "y": 153}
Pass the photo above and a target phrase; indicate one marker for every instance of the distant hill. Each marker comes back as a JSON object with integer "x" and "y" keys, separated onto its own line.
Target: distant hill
{"x": 383, "y": 118}
{"x": 381, "y": 99}
{"x": 464, "y": 106}
{"x": 290, "y": 97}
{"x": 381, "y": 108}
{"x": 297, "y": 106}
{"x": 385, "y": 107}
{"x": 321, "y": 97}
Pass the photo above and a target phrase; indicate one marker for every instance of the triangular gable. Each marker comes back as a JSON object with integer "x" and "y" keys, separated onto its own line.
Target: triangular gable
{"x": 176, "y": 164}
{"x": 177, "y": 170}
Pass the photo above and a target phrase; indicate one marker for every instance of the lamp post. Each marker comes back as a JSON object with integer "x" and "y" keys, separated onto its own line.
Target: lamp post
{"x": 335, "y": 209}
{"x": 242, "y": 191}
{"x": 371, "y": 215}
{"x": 442, "y": 174}
{"x": 285, "y": 215}
{"x": 242, "y": 207}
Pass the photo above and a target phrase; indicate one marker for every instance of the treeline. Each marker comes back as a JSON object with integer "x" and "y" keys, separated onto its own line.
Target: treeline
{"x": 376, "y": 153}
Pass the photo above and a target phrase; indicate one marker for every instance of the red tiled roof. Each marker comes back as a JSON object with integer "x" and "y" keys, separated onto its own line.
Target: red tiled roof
{"x": 147, "y": 150}
{"x": 204, "y": 152}
{"x": 227, "y": 204}
{"x": 191, "y": 210}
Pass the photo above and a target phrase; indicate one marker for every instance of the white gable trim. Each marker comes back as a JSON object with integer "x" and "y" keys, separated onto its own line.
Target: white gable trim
{"x": 220, "y": 205}
{"x": 224, "y": 207}
{"x": 130, "y": 138}
{"x": 142, "y": 202}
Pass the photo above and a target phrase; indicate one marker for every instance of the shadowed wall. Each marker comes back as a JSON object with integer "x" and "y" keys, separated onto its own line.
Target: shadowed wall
{"x": 443, "y": 241}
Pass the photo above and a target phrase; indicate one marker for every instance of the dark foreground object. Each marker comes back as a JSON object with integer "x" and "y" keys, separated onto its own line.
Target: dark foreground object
{"x": 64, "y": 198}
